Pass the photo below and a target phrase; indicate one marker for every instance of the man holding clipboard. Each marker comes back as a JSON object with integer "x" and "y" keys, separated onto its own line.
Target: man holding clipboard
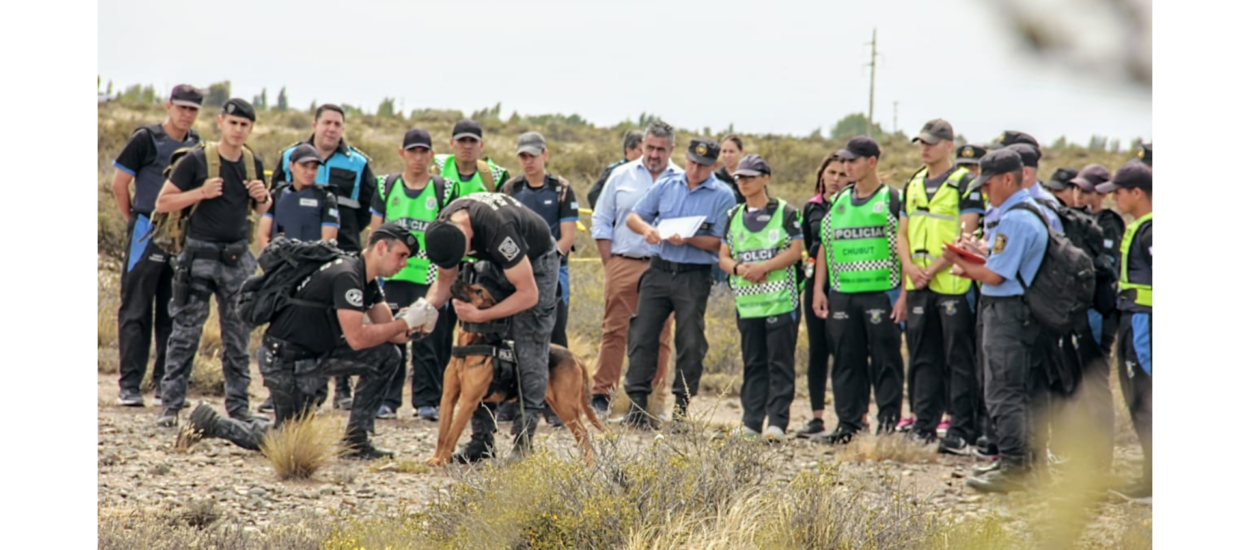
{"x": 679, "y": 278}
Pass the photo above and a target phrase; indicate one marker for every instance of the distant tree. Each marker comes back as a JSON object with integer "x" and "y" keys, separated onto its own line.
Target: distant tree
{"x": 1114, "y": 146}
{"x": 816, "y": 134}
{"x": 1060, "y": 143}
{"x": 1097, "y": 143}
{"x": 264, "y": 99}
{"x": 109, "y": 91}
{"x": 312, "y": 107}
{"x": 282, "y": 100}
{"x": 148, "y": 95}
{"x": 515, "y": 118}
{"x": 218, "y": 94}
{"x": 387, "y": 107}
{"x": 855, "y": 124}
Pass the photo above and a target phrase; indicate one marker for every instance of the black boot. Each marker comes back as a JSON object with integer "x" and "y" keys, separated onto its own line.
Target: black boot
{"x": 681, "y": 418}
{"x": 364, "y": 450}
{"x": 523, "y": 430}
{"x": 637, "y": 416}
{"x": 204, "y": 419}
{"x": 479, "y": 447}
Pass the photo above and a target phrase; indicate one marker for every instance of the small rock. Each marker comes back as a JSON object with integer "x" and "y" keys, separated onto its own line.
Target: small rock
{"x": 389, "y": 467}
{"x": 257, "y": 492}
{"x": 327, "y": 490}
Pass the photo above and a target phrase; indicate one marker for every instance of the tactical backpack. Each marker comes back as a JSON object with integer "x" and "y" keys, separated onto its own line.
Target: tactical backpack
{"x": 1063, "y": 288}
{"x": 285, "y": 265}
{"x": 1084, "y": 231}
{"x": 169, "y": 229}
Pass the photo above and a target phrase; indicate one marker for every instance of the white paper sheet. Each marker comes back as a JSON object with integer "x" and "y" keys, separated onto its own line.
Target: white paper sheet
{"x": 685, "y": 227}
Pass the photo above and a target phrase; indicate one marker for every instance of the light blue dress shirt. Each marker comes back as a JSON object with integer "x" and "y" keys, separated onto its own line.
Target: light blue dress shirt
{"x": 1017, "y": 244}
{"x": 671, "y": 197}
{"x": 624, "y": 188}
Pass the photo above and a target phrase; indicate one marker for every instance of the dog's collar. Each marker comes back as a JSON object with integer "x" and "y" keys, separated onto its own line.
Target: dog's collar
{"x": 503, "y": 352}
{"x": 493, "y": 327}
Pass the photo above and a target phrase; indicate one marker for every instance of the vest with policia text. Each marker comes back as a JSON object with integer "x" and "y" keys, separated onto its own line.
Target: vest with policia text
{"x": 1134, "y": 296}
{"x": 859, "y": 242}
{"x": 415, "y": 215}
{"x": 341, "y": 172}
{"x": 151, "y": 176}
{"x": 931, "y": 224}
{"x": 779, "y": 293}
{"x": 485, "y": 180}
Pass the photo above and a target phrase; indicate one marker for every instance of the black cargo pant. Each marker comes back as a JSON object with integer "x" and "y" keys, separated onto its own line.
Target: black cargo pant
{"x": 859, "y": 326}
{"x": 1085, "y": 424}
{"x": 429, "y": 355}
{"x": 1135, "y": 351}
{"x": 669, "y": 288}
{"x": 768, "y": 369}
{"x": 146, "y": 291}
{"x": 940, "y": 346}
{"x": 293, "y": 378}
{"x": 817, "y": 351}
{"x": 1016, "y": 386}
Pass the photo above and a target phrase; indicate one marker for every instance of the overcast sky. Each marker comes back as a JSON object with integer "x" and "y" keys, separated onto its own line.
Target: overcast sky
{"x": 779, "y": 67}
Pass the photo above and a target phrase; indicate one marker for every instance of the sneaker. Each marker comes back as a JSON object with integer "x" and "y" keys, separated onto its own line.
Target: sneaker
{"x": 954, "y": 445}
{"x": 600, "y": 404}
{"x": 1003, "y": 480}
{"x": 386, "y": 412}
{"x": 168, "y": 419}
{"x": 774, "y": 434}
{"x": 985, "y": 448}
{"x": 366, "y": 451}
{"x": 904, "y": 425}
{"x": 745, "y": 433}
{"x": 982, "y": 470}
{"x": 427, "y": 413}
{"x": 815, "y": 426}
{"x": 841, "y": 436}
{"x": 266, "y": 406}
{"x": 922, "y": 438}
{"x": 130, "y": 398}
{"x": 943, "y": 426}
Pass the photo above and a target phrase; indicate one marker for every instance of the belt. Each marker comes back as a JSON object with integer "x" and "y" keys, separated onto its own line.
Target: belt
{"x": 677, "y": 267}
{"x": 635, "y": 258}
{"x": 1000, "y": 299}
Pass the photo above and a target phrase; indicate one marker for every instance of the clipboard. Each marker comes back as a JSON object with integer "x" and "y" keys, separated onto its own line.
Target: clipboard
{"x": 965, "y": 254}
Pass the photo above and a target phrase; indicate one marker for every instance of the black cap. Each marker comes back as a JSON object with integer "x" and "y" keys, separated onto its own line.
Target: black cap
{"x": 753, "y": 165}
{"x": 1000, "y": 161}
{"x": 396, "y": 231}
{"x": 703, "y": 151}
{"x": 860, "y": 146}
{"x": 417, "y": 137}
{"x": 304, "y": 153}
{"x": 240, "y": 108}
{"x": 1145, "y": 152}
{"x": 1061, "y": 180}
{"x": 1090, "y": 177}
{"x": 466, "y": 128}
{"x": 1029, "y": 154}
{"x": 1012, "y": 137}
{"x": 934, "y": 131}
{"x": 187, "y": 96}
{"x": 969, "y": 154}
{"x": 444, "y": 244}
{"x": 1135, "y": 174}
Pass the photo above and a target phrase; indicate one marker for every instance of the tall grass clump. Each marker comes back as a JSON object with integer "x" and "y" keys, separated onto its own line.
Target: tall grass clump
{"x": 303, "y": 446}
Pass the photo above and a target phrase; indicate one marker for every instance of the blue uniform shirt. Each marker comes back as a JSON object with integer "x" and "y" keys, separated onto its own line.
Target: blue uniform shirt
{"x": 1017, "y": 244}
{"x": 1042, "y": 198}
{"x": 624, "y": 188}
{"x": 671, "y": 198}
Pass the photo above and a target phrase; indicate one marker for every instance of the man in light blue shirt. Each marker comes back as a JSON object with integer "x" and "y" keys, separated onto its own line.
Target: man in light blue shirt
{"x": 679, "y": 279}
{"x": 626, "y": 255}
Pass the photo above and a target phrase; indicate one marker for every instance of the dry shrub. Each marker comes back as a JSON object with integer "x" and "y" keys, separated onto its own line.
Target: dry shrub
{"x": 895, "y": 447}
{"x": 207, "y": 377}
{"x": 169, "y": 529}
{"x": 108, "y": 362}
{"x": 303, "y": 445}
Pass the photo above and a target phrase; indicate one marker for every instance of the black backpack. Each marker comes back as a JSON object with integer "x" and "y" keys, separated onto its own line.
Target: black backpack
{"x": 285, "y": 265}
{"x": 1083, "y": 230}
{"x": 1063, "y": 289}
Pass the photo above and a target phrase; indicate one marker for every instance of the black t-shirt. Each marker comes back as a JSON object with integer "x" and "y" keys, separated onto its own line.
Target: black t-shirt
{"x": 813, "y": 214}
{"x": 504, "y": 230}
{"x": 340, "y": 285}
{"x": 724, "y": 175}
{"x": 222, "y": 219}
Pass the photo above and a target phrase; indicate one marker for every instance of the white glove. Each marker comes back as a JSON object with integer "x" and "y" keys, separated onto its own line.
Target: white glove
{"x": 421, "y": 315}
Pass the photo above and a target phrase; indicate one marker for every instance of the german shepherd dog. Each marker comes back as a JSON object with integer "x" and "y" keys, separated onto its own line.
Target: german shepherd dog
{"x": 467, "y": 380}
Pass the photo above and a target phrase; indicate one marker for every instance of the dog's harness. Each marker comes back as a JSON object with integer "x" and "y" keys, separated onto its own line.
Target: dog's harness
{"x": 502, "y": 350}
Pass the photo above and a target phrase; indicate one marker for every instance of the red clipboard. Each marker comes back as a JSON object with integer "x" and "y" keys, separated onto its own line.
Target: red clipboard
{"x": 967, "y": 255}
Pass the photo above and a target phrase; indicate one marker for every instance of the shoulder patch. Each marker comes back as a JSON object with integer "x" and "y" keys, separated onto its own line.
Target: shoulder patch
{"x": 355, "y": 297}
{"x": 1000, "y": 242}
{"x": 509, "y": 249}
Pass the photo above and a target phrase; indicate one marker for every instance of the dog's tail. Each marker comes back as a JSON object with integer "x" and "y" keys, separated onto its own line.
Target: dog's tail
{"x": 586, "y": 408}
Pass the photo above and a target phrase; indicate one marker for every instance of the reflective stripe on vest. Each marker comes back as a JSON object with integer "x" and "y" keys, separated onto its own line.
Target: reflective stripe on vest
{"x": 931, "y": 224}
{"x": 346, "y": 188}
{"x": 778, "y": 294}
{"x": 415, "y": 215}
{"x": 1137, "y": 293}
{"x": 859, "y": 243}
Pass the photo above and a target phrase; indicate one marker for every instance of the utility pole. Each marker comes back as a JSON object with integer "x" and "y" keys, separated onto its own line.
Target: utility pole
{"x": 872, "y": 80}
{"x": 896, "y": 116}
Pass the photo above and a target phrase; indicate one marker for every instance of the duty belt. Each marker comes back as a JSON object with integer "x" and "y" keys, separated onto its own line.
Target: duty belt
{"x": 678, "y": 267}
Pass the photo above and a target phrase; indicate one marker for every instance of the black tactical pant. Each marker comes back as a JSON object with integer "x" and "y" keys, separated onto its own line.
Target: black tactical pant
{"x": 293, "y": 378}
{"x": 941, "y": 350}
{"x": 1016, "y": 388}
{"x": 983, "y": 422}
{"x": 669, "y": 288}
{"x": 429, "y": 354}
{"x": 1086, "y": 419}
{"x": 1134, "y": 341}
{"x": 817, "y": 351}
{"x": 146, "y": 291}
{"x": 768, "y": 369}
{"x": 859, "y": 327}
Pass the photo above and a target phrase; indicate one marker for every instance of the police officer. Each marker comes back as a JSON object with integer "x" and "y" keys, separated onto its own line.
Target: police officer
{"x": 1014, "y": 377}
{"x": 632, "y": 145}
{"x": 969, "y": 157}
{"x": 679, "y": 278}
{"x": 466, "y": 169}
{"x": 1104, "y": 323}
{"x": 937, "y": 205}
{"x": 412, "y": 199}
{"x": 504, "y": 236}
{"x": 1145, "y": 153}
{"x": 147, "y": 278}
{"x": 301, "y": 209}
{"x": 359, "y": 337}
{"x": 217, "y": 257}
{"x": 858, "y": 264}
{"x": 1030, "y": 154}
{"x": 1133, "y": 190}
{"x": 731, "y": 151}
{"x": 347, "y": 173}
{"x": 761, "y": 251}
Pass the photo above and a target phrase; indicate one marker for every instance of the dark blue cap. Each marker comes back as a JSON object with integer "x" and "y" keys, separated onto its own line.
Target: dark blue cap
{"x": 240, "y": 108}
{"x": 1001, "y": 161}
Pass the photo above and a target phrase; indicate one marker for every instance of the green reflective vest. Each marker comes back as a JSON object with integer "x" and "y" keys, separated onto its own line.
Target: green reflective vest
{"x": 1136, "y": 293}
{"x": 447, "y": 164}
{"x": 859, "y": 243}
{"x": 931, "y": 224}
{"x": 414, "y": 214}
{"x": 779, "y": 293}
